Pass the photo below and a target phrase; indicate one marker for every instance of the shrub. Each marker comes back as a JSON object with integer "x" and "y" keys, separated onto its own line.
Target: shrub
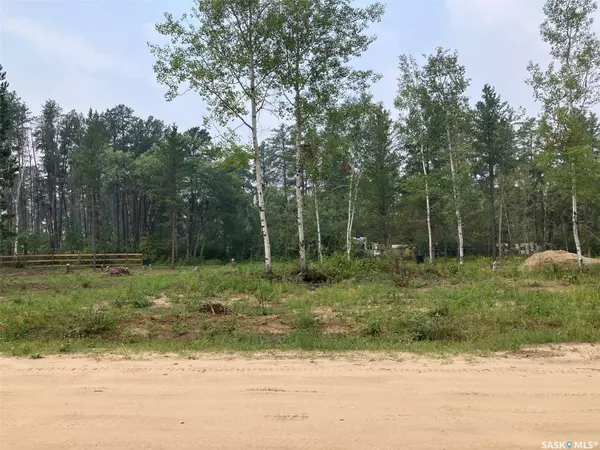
{"x": 142, "y": 302}
{"x": 305, "y": 319}
{"x": 89, "y": 323}
{"x": 373, "y": 327}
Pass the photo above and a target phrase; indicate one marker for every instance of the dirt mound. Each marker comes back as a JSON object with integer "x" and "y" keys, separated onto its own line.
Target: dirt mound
{"x": 559, "y": 257}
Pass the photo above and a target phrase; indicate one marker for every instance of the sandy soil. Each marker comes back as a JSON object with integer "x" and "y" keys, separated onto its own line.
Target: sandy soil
{"x": 356, "y": 401}
{"x": 559, "y": 257}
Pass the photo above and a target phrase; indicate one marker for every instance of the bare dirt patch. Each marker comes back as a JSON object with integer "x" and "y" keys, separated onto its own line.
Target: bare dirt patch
{"x": 101, "y": 307}
{"x": 330, "y": 321}
{"x": 161, "y": 302}
{"x": 269, "y": 324}
{"x": 138, "y": 332}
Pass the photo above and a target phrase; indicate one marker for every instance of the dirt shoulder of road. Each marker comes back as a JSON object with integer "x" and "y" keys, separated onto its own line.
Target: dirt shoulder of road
{"x": 349, "y": 401}
{"x": 546, "y": 353}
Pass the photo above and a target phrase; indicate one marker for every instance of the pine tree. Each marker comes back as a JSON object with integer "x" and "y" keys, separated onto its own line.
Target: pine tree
{"x": 8, "y": 165}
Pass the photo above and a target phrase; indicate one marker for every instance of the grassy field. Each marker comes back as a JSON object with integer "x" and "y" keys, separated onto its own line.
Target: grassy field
{"x": 366, "y": 304}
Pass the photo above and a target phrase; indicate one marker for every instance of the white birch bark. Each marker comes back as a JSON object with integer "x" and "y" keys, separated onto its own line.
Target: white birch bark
{"x": 258, "y": 171}
{"x": 299, "y": 200}
{"x": 575, "y": 216}
{"x": 352, "y": 196}
{"x": 545, "y": 204}
{"x": 500, "y": 245}
{"x": 461, "y": 252}
{"x": 319, "y": 246}
{"x": 348, "y": 223}
{"x": 429, "y": 234}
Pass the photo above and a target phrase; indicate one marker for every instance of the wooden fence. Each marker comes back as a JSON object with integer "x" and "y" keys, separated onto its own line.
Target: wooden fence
{"x": 74, "y": 259}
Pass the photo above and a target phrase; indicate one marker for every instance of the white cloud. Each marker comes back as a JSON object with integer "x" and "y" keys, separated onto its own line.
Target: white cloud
{"x": 72, "y": 48}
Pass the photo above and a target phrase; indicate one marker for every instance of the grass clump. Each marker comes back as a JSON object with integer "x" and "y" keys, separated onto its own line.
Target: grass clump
{"x": 305, "y": 320}
{"x": 142, "y": 302}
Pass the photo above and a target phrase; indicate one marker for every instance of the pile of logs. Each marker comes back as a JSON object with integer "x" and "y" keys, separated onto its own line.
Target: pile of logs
{"x": 116, "y": 271}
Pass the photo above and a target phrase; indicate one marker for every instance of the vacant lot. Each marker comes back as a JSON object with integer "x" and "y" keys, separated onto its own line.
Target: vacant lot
{"x": 366, "y": 304}
{"x": 374, "y": 401}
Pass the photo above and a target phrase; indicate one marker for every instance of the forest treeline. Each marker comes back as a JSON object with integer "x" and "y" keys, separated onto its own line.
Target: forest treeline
{"x": 447, "y": 174}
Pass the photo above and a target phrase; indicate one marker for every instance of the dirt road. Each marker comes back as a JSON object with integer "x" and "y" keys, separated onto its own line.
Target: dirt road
{"x": 350, "y": 402}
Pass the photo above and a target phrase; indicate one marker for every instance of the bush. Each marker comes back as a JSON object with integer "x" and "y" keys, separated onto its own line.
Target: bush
{"x": 373, "y": 327}
{"x": 89, "y": 323}
{"x": 142, "y": 302}
{"x": 305, "y": 319}
{"x": 431, "y": 326}
{"x": 338, "y": 268}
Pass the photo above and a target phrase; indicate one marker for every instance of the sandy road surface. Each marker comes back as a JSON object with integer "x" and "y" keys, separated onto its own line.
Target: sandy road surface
{"x": 350, "y": 402}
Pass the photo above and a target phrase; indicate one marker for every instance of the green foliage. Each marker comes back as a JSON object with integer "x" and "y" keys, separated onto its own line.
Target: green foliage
{"x": 305, "y": 319}
{"x": 337, "y": 267}
{"x": 110, "y": 181}
{"x": 142, "y": 302}
{"x": 8, "y": 165}
{"x": 474, "y": 309}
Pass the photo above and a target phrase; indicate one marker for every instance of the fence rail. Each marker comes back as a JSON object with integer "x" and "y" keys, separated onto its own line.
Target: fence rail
{"x": 73, "y": 259}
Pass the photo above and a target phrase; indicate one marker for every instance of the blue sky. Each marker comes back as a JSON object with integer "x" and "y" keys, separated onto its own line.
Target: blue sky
{"x": 93, "y": 53}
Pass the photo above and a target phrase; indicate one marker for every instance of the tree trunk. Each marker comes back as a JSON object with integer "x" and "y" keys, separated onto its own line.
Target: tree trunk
{"x": 564, "y": 226}
{"x": 461, "y": 252}
{"x": 354, "y": 183}
{"x": 93, "y": 230}
{"x": 500, "y": 244}
{"x": 492, "y": 211}
{"x": 202, "y": 248}
{"x": 118, "y": 225}
{"x": 349, "y": 223}
{"x": 18, "y": 206}
{"x": 429, "y": 233}
{"x": 575, "y": 216}
{"x": 173, "y": 235}
{"x": 299, "y": 200}
{"x": 259, "y": 178}
{"x": 545, "y": 205}
{"x": 191, "y": 223}
{"x": 319, "y": 246}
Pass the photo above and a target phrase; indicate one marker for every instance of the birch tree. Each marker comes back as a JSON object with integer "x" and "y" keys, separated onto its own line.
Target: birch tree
{"x": 447, "y": 103}
{"x": 567, "y": 90}
{"x": 225, "y": 51}
{"x": 413, "y": 129}
{"x": 317, "y": 40}
{"x": 354, "y": 119}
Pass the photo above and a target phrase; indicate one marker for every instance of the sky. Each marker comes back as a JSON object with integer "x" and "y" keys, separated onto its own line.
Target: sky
{"x": 94, "y": 54}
